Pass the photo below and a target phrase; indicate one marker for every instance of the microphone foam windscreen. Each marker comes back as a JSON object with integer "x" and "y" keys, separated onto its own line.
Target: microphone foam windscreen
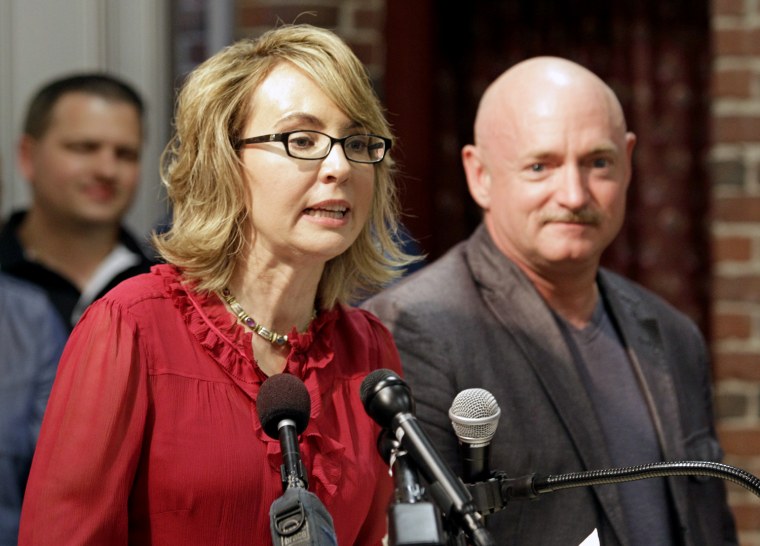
{"x": 283, "y": 396}
{"x": 474, "y": 415}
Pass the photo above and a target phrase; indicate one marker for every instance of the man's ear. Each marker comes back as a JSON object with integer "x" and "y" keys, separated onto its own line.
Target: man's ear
{"x": 25, "y": 156}
{"x": 478, "y": 178}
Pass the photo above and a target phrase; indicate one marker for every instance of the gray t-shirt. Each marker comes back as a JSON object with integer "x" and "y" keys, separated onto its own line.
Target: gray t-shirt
{"x": 627, "y": 425}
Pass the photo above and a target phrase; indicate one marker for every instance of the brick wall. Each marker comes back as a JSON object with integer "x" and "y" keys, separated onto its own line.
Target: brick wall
{"x": 735, "y": 227}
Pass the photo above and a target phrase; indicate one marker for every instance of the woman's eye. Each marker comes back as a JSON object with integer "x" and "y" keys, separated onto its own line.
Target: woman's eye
{"x": 357, "y": 145}
{"x": 301, "y": 142}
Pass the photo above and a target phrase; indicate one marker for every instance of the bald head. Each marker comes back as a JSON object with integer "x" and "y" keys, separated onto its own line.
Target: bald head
{"x": 550, "y": 167}
{"x": 543, "y": 86}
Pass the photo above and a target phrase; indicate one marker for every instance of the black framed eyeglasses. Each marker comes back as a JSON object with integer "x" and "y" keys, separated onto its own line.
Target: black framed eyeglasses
{"x": 317, "y": 145}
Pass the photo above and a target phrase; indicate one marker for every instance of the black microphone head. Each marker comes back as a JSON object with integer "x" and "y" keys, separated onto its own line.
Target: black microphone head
{"x": 475, "y": 415}
{"x": 283, "y": 396}
{"x": 385, "y": 395}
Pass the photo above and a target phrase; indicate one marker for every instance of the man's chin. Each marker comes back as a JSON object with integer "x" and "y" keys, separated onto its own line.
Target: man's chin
{"x": 100, "y": 218}
{"x": 578, "y": 255}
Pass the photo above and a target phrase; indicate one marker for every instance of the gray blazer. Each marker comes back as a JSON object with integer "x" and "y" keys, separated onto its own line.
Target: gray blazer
{"x": 472, "y": 319}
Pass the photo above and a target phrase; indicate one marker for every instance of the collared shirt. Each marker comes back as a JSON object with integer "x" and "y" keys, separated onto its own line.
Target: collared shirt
{"x": 126, "y": 260}
{"x": 31, "y": 340}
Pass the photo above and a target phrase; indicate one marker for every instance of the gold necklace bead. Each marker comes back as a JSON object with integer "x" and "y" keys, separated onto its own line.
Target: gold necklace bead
{"x": 270, "y": 335}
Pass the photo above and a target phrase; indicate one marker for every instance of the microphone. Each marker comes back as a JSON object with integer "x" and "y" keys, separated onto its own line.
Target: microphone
{"x": 408, "y": 489}
{"x": 412, "y": 521}
{"x": 284, "y": 407}
{"x": 388, "y": 400}
{"x": 474, "y": 415}
{"x": 297, "y": 517}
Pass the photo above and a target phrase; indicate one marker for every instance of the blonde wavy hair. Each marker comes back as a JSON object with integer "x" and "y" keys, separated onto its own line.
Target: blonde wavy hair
{"x": 202, "y": 171}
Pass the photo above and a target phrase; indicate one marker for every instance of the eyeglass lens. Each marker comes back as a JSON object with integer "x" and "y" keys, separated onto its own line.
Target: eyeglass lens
{"x": 314, "y": 145}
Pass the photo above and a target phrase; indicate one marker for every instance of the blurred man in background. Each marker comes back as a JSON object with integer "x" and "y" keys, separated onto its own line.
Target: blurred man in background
{"x": 80, "y": 152}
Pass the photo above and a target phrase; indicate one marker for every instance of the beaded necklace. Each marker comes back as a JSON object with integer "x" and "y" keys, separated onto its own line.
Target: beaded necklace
{"x": 270, "y": 335}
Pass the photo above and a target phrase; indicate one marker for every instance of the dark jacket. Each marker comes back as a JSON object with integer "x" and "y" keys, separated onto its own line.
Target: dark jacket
{"x": 473, "y": 320}
{"x": 62, "y": 293}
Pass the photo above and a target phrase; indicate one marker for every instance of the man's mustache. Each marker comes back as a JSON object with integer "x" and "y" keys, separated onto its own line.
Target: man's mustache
{"x": 583, "y": 216}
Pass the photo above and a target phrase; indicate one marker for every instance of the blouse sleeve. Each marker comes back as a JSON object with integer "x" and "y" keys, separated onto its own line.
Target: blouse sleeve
{"x": 91, "y": 436}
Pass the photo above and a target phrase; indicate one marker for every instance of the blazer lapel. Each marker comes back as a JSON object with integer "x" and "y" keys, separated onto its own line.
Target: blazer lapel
{"x": 640, "y": 332}
{"x": 526, "y": 318}
{"x": 641, "y": 335}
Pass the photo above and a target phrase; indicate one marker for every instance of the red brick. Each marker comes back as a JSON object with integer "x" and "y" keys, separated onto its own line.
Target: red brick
{"x": 731, "y": 249}
{"x": 727, "y": 7}
{"x": 741, "y": 288}
{"x": 736, "y": 42}
{"x": 731, "y": 326}
{"x": 736, "y": 129}
{"x": 733, "y": 365}
{"x": 742, "y": 441}
{"x": 736, "y": 209}
{"x": 732, "y": 83}
{"x": 747, "y": 516}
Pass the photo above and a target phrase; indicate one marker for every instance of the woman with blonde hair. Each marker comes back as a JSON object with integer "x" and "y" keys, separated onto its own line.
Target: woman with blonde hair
{"x": 284, "y": 212}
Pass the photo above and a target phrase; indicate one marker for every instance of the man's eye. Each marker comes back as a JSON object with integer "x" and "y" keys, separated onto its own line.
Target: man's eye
{"x": 600, "y": 163}
{"x": 537, "y": 167}
{"x": 82, "y": 147}
{"x": 128, "y": 155}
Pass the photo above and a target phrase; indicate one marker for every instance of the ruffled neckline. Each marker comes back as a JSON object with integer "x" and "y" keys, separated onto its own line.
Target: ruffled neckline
{"x": 229, "y": 344}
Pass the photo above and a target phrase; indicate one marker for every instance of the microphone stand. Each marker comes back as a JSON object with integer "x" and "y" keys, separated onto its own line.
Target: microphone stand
{"x": 412, "y": 520}
{"x": 494, "y": 494}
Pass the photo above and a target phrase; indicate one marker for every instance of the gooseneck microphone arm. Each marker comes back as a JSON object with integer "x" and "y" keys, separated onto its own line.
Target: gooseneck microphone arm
{"x": 474, "y": 416}
{"x": 494, "y": 494}
{"x": 710, "y": 469}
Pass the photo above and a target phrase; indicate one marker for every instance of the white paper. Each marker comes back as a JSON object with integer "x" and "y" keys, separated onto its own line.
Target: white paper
{"x": 591, "y": 540}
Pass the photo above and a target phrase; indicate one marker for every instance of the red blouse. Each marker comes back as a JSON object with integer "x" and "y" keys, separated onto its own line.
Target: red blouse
{"x": 151, "y": 434}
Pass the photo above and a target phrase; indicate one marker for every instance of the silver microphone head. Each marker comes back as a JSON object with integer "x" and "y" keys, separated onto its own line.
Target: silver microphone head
{"x": 475, "y": 415}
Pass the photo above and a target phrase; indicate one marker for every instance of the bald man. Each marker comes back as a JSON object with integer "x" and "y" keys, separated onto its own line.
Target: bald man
{"x": 590, "y": 370}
